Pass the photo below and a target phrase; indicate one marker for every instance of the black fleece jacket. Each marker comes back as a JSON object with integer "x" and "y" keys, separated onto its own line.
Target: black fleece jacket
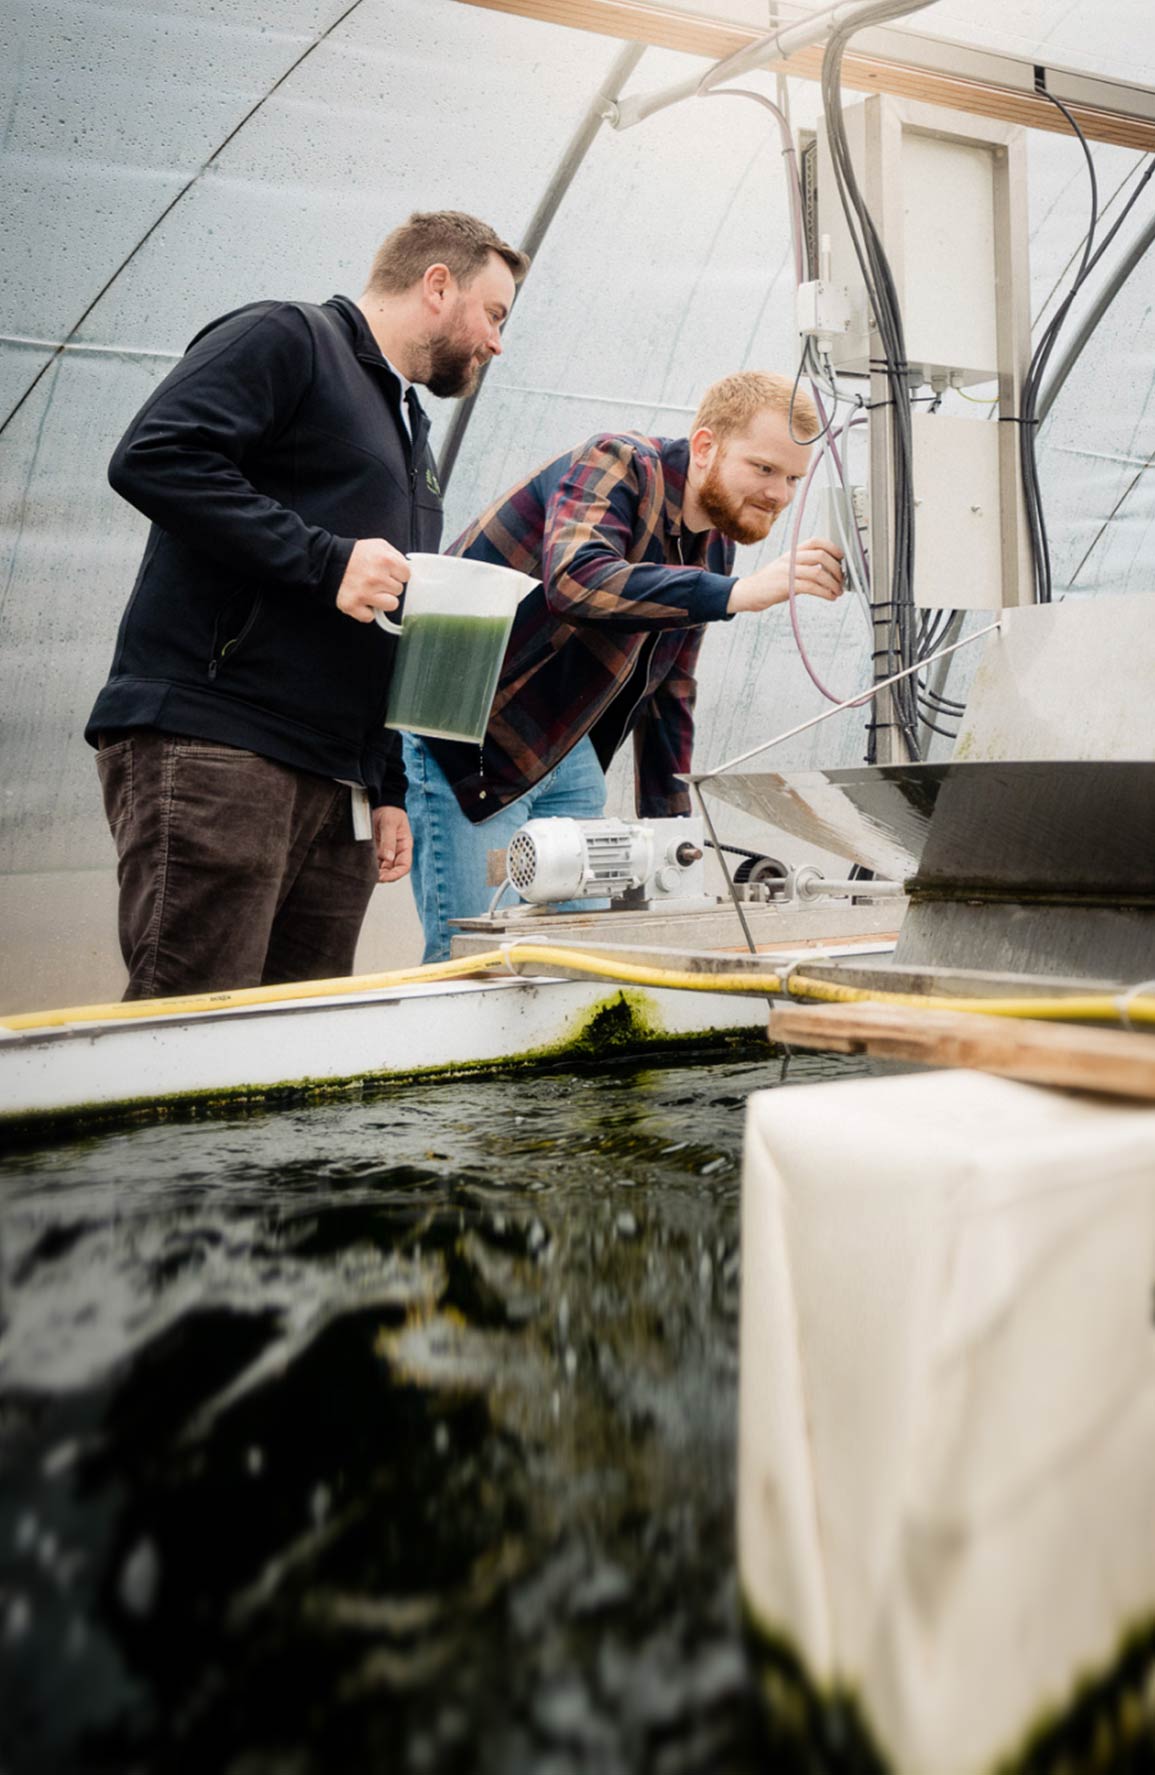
{"x": 274, "y": 445}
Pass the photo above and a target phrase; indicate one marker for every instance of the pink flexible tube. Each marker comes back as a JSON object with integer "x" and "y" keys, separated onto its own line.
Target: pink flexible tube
{"x": 829, "y": 436}
{"x": 827, "y": 443}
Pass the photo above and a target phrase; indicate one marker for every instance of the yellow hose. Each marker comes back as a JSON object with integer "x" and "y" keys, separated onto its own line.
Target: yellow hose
{"x": 1091, "y": 1008}
{"x": 196, "y": 1002}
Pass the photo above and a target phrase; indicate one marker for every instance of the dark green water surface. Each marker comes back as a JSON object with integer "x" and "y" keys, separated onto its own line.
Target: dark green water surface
{"x": 388, "y": 1435}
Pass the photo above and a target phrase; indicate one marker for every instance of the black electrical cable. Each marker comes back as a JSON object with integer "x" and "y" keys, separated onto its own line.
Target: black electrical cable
{"x": 824, "y": 378}
{"x": 948, "y": 733}
{"x": 934, "y": 629}
{"x": 932, "y": 626}
{"x": 1034, "y": 382}
{"x": 944, "y": 704}
{"x": 818, "y": 435}
{"x": 1128, "y": 206}
{"x": 898, "y": 628}
{"x": 1123, "y": 213}
{"x": 1027, "y": 417}
{"x": 932, "y": 699}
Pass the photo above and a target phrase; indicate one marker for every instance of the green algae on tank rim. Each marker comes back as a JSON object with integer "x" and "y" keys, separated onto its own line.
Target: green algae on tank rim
{"x": 623, "y": 1026}
{"x": 1106, "y": 1728}
{"x": 811, "y": 1730}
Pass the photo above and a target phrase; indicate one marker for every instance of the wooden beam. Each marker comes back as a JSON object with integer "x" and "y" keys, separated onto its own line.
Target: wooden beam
{"x": 1104, "y": 1060}
{"x": 668, "y": 27}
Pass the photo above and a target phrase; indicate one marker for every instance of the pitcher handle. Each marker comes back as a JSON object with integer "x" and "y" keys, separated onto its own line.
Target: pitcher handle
{"x": 394, "y": 628}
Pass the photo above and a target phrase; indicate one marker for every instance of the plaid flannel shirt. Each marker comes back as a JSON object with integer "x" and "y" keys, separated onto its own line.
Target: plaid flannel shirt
{"x": 607, "y": 642}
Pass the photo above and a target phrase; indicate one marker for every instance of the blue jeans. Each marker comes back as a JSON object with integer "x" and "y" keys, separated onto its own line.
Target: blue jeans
{"x": 450, "y": 852}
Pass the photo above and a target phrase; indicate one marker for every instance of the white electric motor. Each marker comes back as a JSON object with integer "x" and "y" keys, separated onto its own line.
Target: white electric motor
{"x": 560, "y": 859}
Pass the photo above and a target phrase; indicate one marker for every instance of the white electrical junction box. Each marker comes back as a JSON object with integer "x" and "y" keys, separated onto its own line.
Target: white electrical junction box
{"x": 947, "y": 195}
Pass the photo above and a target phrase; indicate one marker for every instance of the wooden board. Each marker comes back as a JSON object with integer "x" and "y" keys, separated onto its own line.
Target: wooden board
{"x": 673, "y": 929}
{"x": 1114, "y": 1062}
{"x": 668, "y": 27}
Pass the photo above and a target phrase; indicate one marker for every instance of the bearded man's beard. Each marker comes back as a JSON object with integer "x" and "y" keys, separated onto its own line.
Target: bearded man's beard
{"x": 453, "y": 367}
{"x": 729, "y": 515}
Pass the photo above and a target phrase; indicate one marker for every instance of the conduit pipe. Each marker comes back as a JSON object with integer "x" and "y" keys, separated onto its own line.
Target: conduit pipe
{"x": 808, "y": 884}
{"x": 563, "y": 177}
{"x": 775, "y": 46}
{"x": 1115, "y": 281}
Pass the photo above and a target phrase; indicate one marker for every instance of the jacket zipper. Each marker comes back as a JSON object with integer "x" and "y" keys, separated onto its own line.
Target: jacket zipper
{"x": 413, "y": 464}
{"x": 234, "y": 642}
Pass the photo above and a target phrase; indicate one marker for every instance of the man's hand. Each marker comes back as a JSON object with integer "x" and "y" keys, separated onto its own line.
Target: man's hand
{"x": 374, "y": 579}
{"x": 394, "y": 843}
{"x": 818, "y": 571}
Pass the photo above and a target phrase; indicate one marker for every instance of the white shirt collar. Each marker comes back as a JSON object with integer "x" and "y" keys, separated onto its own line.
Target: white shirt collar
{"x": 406, "y": 385}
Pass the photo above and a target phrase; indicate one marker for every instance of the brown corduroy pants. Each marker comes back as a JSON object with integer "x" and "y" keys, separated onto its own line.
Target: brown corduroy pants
{"x": 234, "y": 871}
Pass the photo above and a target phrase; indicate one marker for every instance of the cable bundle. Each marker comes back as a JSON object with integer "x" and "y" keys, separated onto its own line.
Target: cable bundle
{"x": 897, "y": 629}
{"x": 1028, "y": 420}
{"x": 907, "y": 635}
{"x": 1030, "y": 417}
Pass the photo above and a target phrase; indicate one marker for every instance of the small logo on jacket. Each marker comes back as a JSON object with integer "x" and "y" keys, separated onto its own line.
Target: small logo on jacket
{"x": 432, "y": 482}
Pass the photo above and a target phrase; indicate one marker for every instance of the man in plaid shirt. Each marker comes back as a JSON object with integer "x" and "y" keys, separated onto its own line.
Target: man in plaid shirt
{"x": 632, "y": 540}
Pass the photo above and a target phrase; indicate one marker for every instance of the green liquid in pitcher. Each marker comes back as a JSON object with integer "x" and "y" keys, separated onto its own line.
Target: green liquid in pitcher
{"x": 446, "y": 674}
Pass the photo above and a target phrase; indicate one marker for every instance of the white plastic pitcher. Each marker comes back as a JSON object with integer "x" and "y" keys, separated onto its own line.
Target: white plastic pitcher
{"x": 456, "y": 618}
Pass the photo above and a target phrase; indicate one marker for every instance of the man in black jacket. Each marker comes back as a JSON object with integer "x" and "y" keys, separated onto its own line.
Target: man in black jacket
{"x": 254, "y": 794}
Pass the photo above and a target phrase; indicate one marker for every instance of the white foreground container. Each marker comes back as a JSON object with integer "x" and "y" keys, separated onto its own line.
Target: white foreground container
{"x": 946, "y": 1488}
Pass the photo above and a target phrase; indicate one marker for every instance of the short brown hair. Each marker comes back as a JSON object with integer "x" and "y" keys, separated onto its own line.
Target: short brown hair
{"x": 727, "y": 407}
{"x": 439, "y": 237}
